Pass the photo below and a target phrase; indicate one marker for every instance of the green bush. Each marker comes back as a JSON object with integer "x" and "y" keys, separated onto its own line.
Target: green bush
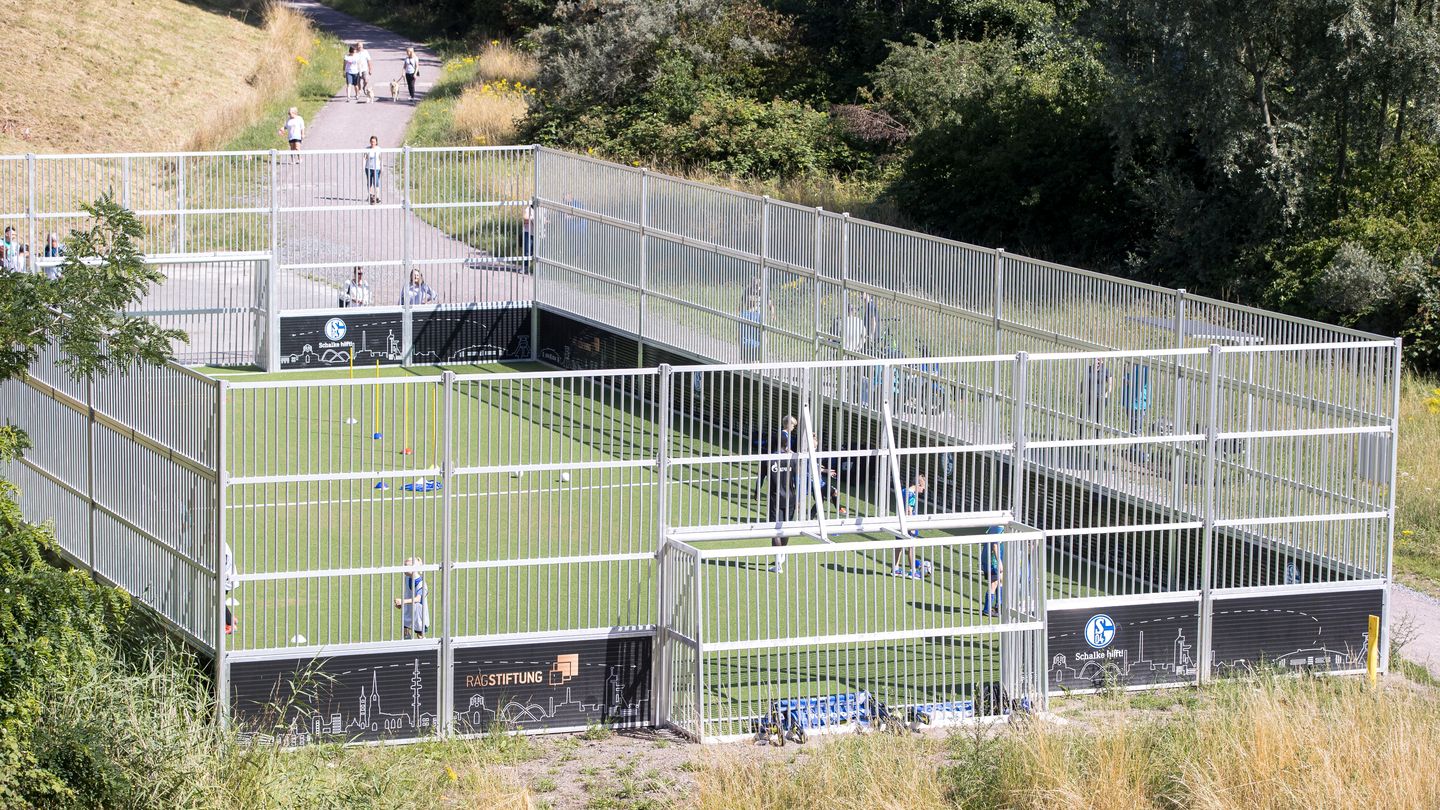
{"x": 54, "y": 623}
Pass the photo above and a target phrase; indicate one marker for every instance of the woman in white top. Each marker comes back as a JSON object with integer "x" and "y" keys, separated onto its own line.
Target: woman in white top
{"x": 357, "y": 291}
{"x": 372, "y": 169}
{"x": 294, "y": 131}
{"x": 412, "y": 71}
{"x": 352, "y": 73}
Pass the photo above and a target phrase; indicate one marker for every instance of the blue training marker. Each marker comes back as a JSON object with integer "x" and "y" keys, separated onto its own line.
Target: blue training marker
{"x": 377, "y": 436}
{"x": 381, "y": 485}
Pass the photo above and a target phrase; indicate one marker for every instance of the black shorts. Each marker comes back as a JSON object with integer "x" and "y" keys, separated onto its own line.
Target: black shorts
{"x": 781, "y": 508}
{"x": 294, "y": 141}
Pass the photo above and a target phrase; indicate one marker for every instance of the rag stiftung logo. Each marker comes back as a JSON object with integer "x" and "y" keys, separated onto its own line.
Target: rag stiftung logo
{"x": 1099, "y": 631}
{"x": 335, "y": 329}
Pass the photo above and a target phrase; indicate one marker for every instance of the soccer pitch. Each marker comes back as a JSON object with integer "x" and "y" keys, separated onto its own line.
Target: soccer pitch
{"x": 520, "y": 543}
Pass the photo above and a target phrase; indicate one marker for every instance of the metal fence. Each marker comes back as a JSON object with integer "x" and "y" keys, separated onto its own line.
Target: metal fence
{"x": 1205, "y": 462}
{"x": 455, "y": 216}
{"x": 132, "y": 489}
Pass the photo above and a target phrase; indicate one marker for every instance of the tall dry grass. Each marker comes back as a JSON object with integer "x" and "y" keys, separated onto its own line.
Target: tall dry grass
{"x": 852, "y": 771}
{"x": 1264, "y": 743}
{"x": 492, "y": 105}
{"x": 502, "y": 60}
{"x": 289, "y": 40}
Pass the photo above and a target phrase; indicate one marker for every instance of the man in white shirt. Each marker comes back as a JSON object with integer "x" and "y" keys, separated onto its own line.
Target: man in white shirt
{"x": 365, "y": 67}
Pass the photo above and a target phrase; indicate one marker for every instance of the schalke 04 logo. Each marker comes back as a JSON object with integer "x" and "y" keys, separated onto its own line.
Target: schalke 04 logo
{"x": 1099, "y": 631}
{"x": 335, "y": 329}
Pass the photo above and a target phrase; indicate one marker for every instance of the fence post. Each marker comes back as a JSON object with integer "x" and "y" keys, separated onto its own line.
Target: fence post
{"x": 660, "y": 670}
{"x": 1177, "y": 425}
{"x": 90, "y": 472}
{"x": 764, "y": 275}
{"x": 447, "y": 629}
{"x": 644, "y": 261}
{"x": 272, "y": 281}
{"x": 537, "y": 230}
{"x": 1395, "y": 370}
{"x": 180, "y": 204}
{"x": 222, "y": 672}
{"x": 815, "y": 277}
{"x": 125, "y": 182}
{"x": 1207, "y": 551}
{"x": 30, "y": 207}
{"x": 1021, "y": 392}
{"x": 406, "y": 234}
{"x": 844, "y": 278}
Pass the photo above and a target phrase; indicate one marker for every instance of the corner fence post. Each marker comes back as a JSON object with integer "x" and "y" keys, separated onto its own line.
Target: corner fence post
{"x": 537, "y": 233}
{"x": 447, "y": 539}
{"x": 661, "y": 666}
{"x": 1207, "y": 558}
{"x": 272, "y": 281}
{"x": 1395, "y": 371}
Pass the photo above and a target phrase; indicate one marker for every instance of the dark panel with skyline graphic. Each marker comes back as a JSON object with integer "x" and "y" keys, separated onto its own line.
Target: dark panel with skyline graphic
{"x": 377, "y": 696}
{"x": 473, "y": 334}
{"x": 1123, "y": 645}
{"x": 1325, "y": 631}
{"x": 564, "y": 684}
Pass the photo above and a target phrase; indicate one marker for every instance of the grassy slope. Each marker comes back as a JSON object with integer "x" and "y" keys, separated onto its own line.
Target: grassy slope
{"x": 103, "y": 76}
{"x": 1417, "y": 496}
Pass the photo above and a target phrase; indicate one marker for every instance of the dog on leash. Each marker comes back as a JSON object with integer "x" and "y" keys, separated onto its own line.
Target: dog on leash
{"x": 394, "y": 89}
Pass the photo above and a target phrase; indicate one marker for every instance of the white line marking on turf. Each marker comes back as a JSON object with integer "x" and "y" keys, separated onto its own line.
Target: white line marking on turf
{"x": 407, "y": 496}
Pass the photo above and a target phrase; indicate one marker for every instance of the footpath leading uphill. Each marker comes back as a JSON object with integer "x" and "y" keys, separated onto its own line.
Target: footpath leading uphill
{"x": 321, "y": 236}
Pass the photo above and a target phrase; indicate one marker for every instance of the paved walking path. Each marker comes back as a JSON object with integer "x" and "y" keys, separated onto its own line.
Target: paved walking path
{"x": 1415, "y": 621}
{"x": 379, "y": 234}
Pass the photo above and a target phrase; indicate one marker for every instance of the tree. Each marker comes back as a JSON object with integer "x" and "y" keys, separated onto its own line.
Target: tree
{"x": 82, "y": 310}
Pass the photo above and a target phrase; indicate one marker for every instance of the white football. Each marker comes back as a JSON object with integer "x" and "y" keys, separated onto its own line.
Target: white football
{"x": 517, "y": 473}
{"x": 565, "y": 477}
{"x": 297, "y": 639}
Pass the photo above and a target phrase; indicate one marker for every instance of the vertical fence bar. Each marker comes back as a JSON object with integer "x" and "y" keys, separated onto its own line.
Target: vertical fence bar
{"x": 407, "y": 250}
{"x": 1395, "y": 371}
{"x": 1021, "y": 393}
{"x": 765, "y": 320}
{"x": 815, "y": 285}
{"x": 644, "y": 270}
{"x": 272, "y": 282}
{"x": 180, "y": 204}
{"x": 222, "y": 673}
{"x": 660, "y": 672}
{"x": 1207, "y": 551}
{"x": 536, "y": 231}
{"x": 447, "y": 539}
{"x": 30, "y": 207}
{"x": 90, "y": 472}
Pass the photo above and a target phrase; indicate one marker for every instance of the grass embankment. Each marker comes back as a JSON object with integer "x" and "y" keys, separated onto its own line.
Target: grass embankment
{"x": 144, "y": 76}
{"x": 478, "y": 100}
{"x": 1265, "y": 742}
{"x": 1417, "y": 494}
{"x": 307, "y": 67}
